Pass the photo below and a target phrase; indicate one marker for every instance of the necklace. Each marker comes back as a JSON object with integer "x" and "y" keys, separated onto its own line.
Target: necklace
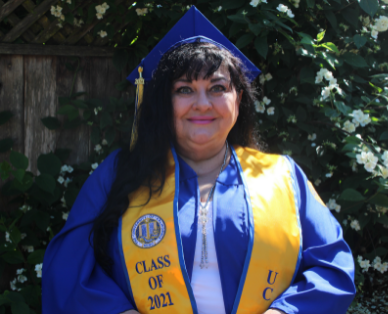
{"x": 203, "y": 216}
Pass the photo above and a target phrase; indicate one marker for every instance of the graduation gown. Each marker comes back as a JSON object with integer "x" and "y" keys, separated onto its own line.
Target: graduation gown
{"x": 73, "y": 282}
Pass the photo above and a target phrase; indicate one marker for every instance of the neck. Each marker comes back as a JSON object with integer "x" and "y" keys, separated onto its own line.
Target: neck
{"x": 207, "y": 164}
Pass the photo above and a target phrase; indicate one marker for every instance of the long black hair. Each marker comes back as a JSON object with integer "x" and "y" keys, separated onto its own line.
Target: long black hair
{"x": 145, "y": 164}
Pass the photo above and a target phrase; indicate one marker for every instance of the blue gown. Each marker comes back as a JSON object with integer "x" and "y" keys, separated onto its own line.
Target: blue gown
{"x": 73, "y": 282}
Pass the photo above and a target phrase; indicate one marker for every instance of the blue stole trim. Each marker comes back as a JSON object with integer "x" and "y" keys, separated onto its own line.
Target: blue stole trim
{"x": 125, "y": 270}
{"x": 178, "y": 235}
{"x": 302, "y": 197}
{"x": 251, "y": 235}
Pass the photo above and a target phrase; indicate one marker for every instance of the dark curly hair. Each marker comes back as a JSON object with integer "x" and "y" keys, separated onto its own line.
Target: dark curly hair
{"x": 146, "y": 163}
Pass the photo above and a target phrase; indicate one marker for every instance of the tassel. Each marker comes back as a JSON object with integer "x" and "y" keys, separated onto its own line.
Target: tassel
{"x": 139, "y": 99}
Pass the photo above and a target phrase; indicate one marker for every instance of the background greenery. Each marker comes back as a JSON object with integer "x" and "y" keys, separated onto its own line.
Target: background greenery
{"x": 323, "y": 101}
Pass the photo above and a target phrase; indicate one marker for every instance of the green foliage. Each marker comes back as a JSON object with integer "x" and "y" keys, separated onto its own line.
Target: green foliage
{"x": 323, "y": 101}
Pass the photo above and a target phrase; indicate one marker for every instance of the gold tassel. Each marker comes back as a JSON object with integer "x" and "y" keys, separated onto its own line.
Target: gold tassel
{"x": 139, "y": 99}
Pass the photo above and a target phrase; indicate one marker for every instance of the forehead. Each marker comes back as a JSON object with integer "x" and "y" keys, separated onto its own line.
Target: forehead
{"x": 221, "y": 73}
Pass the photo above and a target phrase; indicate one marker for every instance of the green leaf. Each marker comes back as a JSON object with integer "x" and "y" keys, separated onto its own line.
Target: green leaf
{"x": 80, "y": 104}
{"x": 332, "y": 19}
{"x": 320, "y": 36}
{"x": 49, "y": 164}
{"x": 351, "y": 195}
{"x": 64, "y": 100}
{"x": 261, "y": 46}
{"x": 18, "y": 160}
{"x": 15, "y": 297}
{"x": 238, "y": 18}
{"x": 380, "y": 90}
{"x": 51, "y": 123}
{"x": 256, "y": 28}
{"x": 342, "y": 107}
{"x": 383, "y": 219}
{"x": 384, "y": 136}
{"x": 106, "y": 120}
{"x": 380, "y": 200}
{"x": 5, "y": 169}
{"x": 330, "y": 46}
{"x": 369, "y": 6}
{"x": 231, "y": 4}
{"x": 6, "y": 144}
{"x": 306, "y": 39}
{"x": 301, "y": 114}
{"x": 354, "y": 60}
{"x": 110, "y": 135}
{"x": 306, "y": 75}
{"x": 310, "y": 4}
{"x": 13, "y": 257}
{"x": 20, "y": 308}
{"x": 359, "y": 40}
{"x": 46, "y": 182}
{"x": 25, "y": 184}
{"x": 120, "y": 59}
{"x": 18, "y": 174}
{"x": 5, "y": 116}
{"x": 36, "y": 257}
{"x": 68, "y": 110}
{"x": 244, "y": 40}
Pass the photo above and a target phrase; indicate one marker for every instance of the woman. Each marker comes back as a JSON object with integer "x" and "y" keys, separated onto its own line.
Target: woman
{"x": 211, "y": 225}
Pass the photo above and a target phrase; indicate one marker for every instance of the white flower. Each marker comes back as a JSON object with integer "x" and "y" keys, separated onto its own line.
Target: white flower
{"x": 360, "y": 117}
{"x": 254, "y": 3}
{"x": 385, "y": 156}
{"x": 261, "y": 79}
{"x": 13, "y": 285}
{"x": 28, "y": 248}
{"x": 68, "y": 1}
{"x": 374, "y": 33}
{"x": 98, "y": 148}
{"x": 312, "y": 137}
{"x": 266, "y": 101}
{"x": 290, "y": 14}
{"x": 67, "y": 181}
{"x": 364, "y": 264}
{"x": 384, "y": 172}
{"x": 325, "y": 92}
{"x": 219, "y": 8}
{"x": 38, "y": 269}
{"x": 368, "y": 159}
{"x": 62, "y": 17}
{"x": 282, "y": 8}
{"x": 102, "y": 33}
{"x": 332, "y": 204}
{"x": 104, "y": 142}
{"x": 23, "y": 235}
{"x": 60, "y": 179}
{"x": 318, "y": 79}
{"x": 99, "y": 16}
{"x": 385, "y": 1}
{"x": 56, "y": 11}
{"x": 64, "y": 168}
{"x": 94, "y": 166}
{"x": 381, "y": 24}
{"x": 78, "y": 23}
{"x": 70, "y": 169}
{"x": 91, "y": 171}
{"x": 355, "y": 225}
{"x": 333, "y": 82}
{"x": 20, "y": 277}
{"x": 260, "y": 108}
{"x": 141, "y": 11}
{"x": 349, "y": 127}
{"x": 65, "y": 215}
{"x": 268, "y": 77}
{"x": 345, "y": 222}
{"x": 329, "y": 175}
{"x": 328, "y": 75}
{"x": 317, "y": 182}
{"x": 7, "y": 239}
{"x": 25, "y": 208}
{"x": 271, "y": 111}
{"x": 20, "y": 271}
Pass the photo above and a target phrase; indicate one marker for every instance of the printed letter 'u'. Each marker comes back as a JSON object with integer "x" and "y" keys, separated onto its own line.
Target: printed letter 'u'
{"x": 269, "y": 277}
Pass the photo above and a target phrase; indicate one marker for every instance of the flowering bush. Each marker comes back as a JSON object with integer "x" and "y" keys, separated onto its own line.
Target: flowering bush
{"x": 323, "y": 100}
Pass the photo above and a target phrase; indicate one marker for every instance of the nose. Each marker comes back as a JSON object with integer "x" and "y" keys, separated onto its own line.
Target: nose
{"x": 202, "y": 101}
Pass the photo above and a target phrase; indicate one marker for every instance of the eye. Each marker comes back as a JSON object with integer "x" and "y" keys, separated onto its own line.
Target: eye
{"x": 184, "y": 90}
{"x": 218, "y": 88}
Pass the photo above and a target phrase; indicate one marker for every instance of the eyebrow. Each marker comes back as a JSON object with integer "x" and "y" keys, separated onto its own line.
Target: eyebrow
{"x": 212, "y": 80}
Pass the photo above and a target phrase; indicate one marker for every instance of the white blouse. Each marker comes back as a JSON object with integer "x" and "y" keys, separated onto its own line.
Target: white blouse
{"x": 206, "y": 282}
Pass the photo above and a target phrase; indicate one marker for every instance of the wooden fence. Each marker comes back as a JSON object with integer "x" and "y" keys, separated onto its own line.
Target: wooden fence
{"x": 30, "y": 87}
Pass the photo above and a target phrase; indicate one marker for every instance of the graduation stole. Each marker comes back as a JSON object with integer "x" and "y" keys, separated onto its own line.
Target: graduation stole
{"x": 152, "y": 249}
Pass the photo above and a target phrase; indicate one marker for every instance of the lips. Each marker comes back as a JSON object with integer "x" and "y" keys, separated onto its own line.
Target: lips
{"x": 201, "y": 120}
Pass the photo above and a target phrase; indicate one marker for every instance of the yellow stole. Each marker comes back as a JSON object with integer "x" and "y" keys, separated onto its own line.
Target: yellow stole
{"x": 152, "y": 247}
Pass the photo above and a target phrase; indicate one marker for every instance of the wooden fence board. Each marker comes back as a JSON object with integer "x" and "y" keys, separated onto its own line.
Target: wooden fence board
{"x": 8, "y": 8}
{"x": 29, "y": 20}
{"x": 75, "y": 139}
{"x": 39, "y": 101}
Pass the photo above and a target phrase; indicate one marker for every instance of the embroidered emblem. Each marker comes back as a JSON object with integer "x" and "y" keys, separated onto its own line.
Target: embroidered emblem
{"x": 148, "y": 231}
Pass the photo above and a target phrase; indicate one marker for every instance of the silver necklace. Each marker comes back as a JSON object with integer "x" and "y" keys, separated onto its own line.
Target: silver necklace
{"x": 203, "y": 216}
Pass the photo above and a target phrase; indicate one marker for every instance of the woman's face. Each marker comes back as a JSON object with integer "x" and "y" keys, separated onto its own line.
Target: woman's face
{"x": 205, "y": 110}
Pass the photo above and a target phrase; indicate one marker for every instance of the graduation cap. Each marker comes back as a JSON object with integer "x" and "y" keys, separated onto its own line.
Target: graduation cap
{"x": 192, "y": 27}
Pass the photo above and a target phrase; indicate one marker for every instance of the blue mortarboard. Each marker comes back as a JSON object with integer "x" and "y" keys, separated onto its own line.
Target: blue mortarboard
{"x": 193, "y": 26}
